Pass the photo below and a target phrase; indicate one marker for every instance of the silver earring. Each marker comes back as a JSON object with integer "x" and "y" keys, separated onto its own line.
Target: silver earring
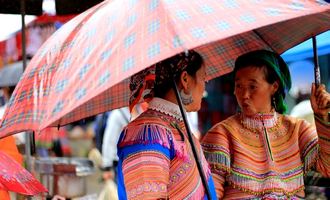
{"x": 274, "y": 102}
{"x": 186, "y": 98}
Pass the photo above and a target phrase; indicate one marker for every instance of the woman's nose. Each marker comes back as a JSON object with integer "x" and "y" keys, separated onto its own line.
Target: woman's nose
{"x": 245, "y": 94}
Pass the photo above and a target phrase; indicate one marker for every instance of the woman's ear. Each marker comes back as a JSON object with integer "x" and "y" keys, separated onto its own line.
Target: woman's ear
{"x": 184, "y": 80}
{"x": 275, "y": 87}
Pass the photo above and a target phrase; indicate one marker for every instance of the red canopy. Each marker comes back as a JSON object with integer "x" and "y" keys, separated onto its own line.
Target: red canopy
{"x": 36, "y": 33}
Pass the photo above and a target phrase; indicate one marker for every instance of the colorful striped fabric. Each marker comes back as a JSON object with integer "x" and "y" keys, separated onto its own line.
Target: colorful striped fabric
{"x": 156, "y": 161}
{"x": 241, "y": 165}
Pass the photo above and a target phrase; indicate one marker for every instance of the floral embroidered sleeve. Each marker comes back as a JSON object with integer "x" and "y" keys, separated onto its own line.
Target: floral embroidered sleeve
{"x": 315, "y": 146}
{"x": 217, "y": 152}
{"x": 146, "y": 172}
{"x": 145, "y": 152}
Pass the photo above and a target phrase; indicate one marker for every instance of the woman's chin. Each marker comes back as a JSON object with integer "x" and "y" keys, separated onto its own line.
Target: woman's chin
{"x": 248, "y": 112}
{"x": 192, "y": 110}
{"x": 193, "y": 107}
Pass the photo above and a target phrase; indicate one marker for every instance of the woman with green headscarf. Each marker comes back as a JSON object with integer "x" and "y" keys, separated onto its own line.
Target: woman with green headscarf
{"x": 261, "y": 153}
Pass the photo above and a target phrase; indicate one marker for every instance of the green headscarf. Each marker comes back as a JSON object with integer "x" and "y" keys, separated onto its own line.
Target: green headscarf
{"x": 278, "y": 67}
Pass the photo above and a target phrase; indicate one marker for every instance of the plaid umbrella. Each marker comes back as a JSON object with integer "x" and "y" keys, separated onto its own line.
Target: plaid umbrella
{"x": 84, "y": 68}
{"x": 15, "y": 178}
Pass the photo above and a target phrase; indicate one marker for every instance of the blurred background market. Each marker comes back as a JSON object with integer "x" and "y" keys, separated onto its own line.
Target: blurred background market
{"x": 68, "y": 160}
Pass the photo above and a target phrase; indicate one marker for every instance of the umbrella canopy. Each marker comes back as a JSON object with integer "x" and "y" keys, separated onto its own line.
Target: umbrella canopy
{"x": 13, "y": 177}
{"x": 84, "y": 68}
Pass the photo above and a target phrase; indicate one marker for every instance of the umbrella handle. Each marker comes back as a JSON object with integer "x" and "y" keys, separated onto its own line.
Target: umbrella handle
{"x": 191, "y": 141}
{"x": 316, "y": 63}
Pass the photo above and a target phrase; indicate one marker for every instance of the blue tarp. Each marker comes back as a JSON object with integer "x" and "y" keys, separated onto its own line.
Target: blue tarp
{"x": 305, "y": 49}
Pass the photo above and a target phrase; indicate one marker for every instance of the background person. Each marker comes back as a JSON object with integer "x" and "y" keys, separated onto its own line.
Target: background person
{"x": 117, "y": 119}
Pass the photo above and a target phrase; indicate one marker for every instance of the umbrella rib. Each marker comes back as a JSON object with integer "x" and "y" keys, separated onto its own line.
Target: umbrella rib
{"x": 265, "y": 41}
{"x": 172, "y": 23}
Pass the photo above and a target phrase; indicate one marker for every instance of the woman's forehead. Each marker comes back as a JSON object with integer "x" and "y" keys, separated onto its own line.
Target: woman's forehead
{"x": 250, "y": 72}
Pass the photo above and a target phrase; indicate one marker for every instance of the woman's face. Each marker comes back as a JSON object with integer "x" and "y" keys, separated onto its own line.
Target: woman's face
{"x": 197, "y": 87}
{"x": 252, "y": 91}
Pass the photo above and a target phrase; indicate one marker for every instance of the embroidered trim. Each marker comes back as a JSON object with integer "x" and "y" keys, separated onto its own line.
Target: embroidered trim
{"x": 180, "y": 172}
{"x": 160, "y": 135}
{"x": 285, "y": 176}
{"x": 289, "y": 183}
{"x": 311, "y": 157}
{"x": 147, "y": 187}
{"x": 243, "y": 187}
{"x": 255, "y": 124}
{"x": 265, "y": 191}
{"x": 166, "y": 107}
{"x": 218, "y": 160}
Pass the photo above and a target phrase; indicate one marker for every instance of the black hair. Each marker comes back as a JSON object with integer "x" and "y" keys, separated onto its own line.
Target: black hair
{"x": 193, "y": 65}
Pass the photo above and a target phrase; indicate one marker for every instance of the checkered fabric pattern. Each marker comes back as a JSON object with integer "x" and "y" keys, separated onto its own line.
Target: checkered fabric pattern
{"x": 83, "y": 68}
{"x": 15, "y": 178}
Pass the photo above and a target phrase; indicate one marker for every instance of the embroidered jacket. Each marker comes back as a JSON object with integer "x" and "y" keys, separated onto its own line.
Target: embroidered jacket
{"x": 155, "y": 158}
{"x": 249, "y": 161}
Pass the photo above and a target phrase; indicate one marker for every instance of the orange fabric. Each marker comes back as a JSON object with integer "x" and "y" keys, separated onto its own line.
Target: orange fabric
{"x": 8, "y": 145}
{"x": 4, "y": 195}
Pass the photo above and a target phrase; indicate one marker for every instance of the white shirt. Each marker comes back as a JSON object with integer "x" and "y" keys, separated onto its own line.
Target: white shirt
{"x": 116, "y": 121}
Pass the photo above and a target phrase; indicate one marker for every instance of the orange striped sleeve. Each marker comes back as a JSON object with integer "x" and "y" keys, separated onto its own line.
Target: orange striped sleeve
{"x": 314, "y": 146}
{"x": 323, "y": 131}
{"x": 216, "y": 147}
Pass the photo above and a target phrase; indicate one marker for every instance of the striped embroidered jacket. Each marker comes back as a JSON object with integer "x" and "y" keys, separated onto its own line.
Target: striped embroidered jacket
{"x": 248, "y": 162}
{"x": 155, "y": 159}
